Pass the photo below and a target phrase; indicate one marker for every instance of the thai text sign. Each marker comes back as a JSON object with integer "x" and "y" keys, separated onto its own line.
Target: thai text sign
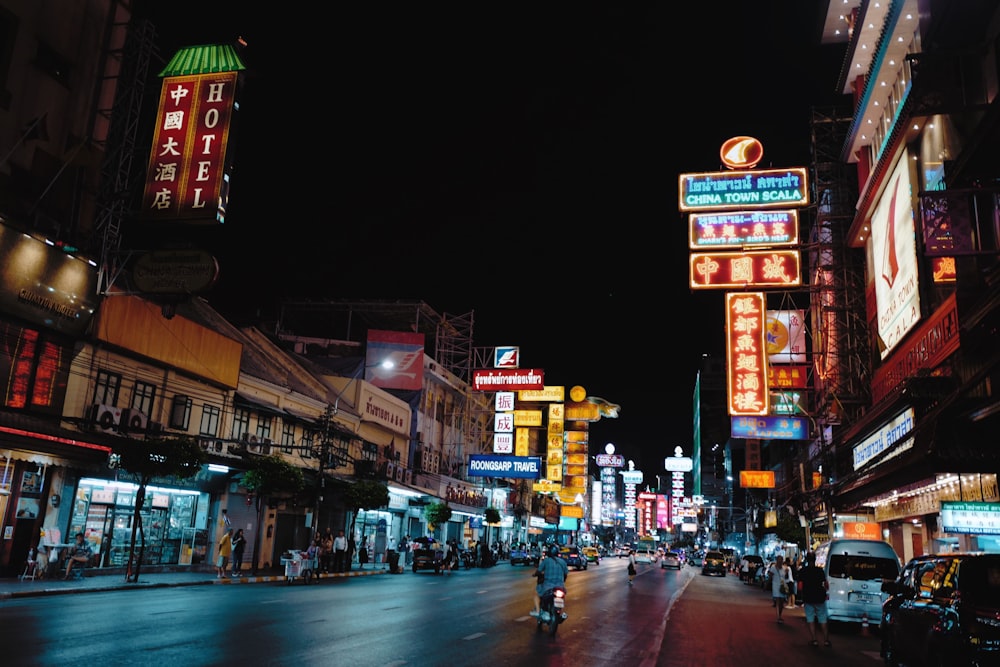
{"x": 746, "y": 365}
{"x": 759, "y": 268}
{"x": 509, "y": 379}
{"x": 970, "y": 517}
{"x": 883, "y": 438}
{"x": 719, "y": 190}
{"x": 770, "y": 428}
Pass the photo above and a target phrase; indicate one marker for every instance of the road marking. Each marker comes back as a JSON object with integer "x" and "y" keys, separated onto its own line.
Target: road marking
{"x": 475, "y": 635}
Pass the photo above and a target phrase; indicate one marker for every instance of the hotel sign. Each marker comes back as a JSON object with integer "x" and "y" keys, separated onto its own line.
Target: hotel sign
{"x": 767, "y": 188}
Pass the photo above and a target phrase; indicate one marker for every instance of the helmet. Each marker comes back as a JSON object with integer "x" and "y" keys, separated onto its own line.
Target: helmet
{"x": 553, "y": 550}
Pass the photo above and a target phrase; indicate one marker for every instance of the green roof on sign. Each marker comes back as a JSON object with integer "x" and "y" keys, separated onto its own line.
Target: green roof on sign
{"x": 206, "y": 59}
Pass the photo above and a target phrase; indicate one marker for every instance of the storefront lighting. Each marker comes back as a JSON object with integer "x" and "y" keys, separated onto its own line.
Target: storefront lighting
{"x": 128, "y": 486}
{"x": 215, "y": 467}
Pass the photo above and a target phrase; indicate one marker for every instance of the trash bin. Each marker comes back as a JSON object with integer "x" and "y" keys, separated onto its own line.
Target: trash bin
{"x": 392, "y": 556}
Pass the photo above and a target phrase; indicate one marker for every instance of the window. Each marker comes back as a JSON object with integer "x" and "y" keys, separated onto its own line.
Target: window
{"x": 106, "y": 388}
{"x": 142, "y": 397}
{"x": 210, "y": 415}
{"x": 310, "y": 438}
{"x": 241, "y": 424}
{"x": 287, "y": 437}
{"x": 369, "y": 452}
{"x": 264, "y": 426}
{"x": 180, "y": 412}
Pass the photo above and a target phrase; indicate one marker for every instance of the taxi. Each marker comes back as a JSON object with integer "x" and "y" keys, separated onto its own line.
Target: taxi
{"x": 592, "y": 554}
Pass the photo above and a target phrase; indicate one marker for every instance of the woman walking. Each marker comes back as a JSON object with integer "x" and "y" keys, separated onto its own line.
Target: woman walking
{"x": 631, "y": 566}
{"x": 778, "y": 576}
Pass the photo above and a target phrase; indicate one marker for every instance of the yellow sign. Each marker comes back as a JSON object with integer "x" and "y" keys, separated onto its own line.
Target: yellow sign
{"x": 572, "y": 511}
{"x": 585, "y": 411}
{"x": 577, "y": 393}
{"x": 757, "y": 479}
{"x": 527, "y": 417}
{"x": 545, "y": 486}
{"x": 557, "y": 394}
{"x": 576, "y": 436}
{"x": 522, "y": 439}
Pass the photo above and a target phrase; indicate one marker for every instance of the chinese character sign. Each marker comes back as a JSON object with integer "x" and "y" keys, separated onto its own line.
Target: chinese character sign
{"x": 746, "y": 367}
{"x": 186, "y": 175}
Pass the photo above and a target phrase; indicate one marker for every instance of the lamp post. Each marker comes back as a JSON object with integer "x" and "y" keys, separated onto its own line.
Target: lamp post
{"x": 332, "y": 410}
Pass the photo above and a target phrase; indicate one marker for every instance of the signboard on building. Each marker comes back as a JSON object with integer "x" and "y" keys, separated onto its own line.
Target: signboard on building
{"x": 746, "y": 364}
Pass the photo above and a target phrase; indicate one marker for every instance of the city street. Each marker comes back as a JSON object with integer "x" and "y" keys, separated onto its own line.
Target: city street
{"x": 470, "y": 617}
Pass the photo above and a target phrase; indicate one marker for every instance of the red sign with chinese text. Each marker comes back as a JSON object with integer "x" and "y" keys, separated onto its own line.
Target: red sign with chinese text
{"x": 787, "y": 377}
{"x": 763, "y": 268}
{"x": 746, "y": 367}
{"x": 187, "y": 161}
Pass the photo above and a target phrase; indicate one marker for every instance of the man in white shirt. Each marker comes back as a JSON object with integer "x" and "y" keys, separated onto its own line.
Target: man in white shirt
{"x": 340, "y": 552}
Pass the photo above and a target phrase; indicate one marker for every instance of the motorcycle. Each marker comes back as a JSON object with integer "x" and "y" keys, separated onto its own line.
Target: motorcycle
{"x": 468, "y": 559}
{"x": 553, "y": 609}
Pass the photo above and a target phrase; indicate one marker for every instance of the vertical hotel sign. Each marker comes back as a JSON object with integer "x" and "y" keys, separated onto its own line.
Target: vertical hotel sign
{"x": 746, "y": 367}
{"x": 187, "y": 179}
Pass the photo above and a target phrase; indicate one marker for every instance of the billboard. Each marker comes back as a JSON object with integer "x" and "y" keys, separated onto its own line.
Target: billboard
{"x": 786, "y": 336}
{"x": 404, "y": 350}
{"x": 764, "y": 188}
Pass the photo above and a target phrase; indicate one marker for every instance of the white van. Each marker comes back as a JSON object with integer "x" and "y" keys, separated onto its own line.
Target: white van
{"x": 855, "y": 570}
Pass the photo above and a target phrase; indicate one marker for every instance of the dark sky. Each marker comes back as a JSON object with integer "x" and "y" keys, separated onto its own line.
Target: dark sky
{"x": 515, "y": 160}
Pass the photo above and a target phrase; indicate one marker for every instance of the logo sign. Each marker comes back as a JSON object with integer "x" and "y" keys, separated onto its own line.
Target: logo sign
{"x": 786, "y": 336}
{"x": 487, "y": 465}
{"x": 738, "y": 229}
{"x": 506, "y": 357}
{"x": 610, "y": 461}
{"x": 770, "y": 428}
{"x": 858, "y": 530}
{"x": 970, "y": 518}
{"x": 757, "y": 479}
{"x": 756, "y": 269}
{"x": 509, "y": 379}
{"x": 741, "y": 152}
{"x": 721, "y": 190}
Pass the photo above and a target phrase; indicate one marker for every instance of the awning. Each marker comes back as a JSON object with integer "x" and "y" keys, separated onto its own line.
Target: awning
{"x": 300, "y": 417}
{"x": 246, "y": 402}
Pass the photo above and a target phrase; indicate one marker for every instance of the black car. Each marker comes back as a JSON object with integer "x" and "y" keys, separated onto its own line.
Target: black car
{"x": 943, "y": 609}
{"x": 713, "y": 563}
{"x": 428, "y": 559}
{"x": 524, "y": 554}
{"x": 574, "y": 557}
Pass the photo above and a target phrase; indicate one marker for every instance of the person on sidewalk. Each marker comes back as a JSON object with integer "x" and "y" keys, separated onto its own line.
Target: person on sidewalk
{"x": 79, "y": 555}
{"x": 239, "y": 545}
{"x": 793, "y": 571}
{"x": 339, "y": 552}
{"x": 631, "y": 566}
{"x": 777, "y": 575}
{"x": 225, "y": 548}
{"x": 813, "y": 592}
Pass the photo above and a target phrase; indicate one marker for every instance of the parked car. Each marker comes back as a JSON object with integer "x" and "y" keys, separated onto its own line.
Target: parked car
{"x": 525, "y": 554}
{"x": 592, "y": 554}
{"x": 670, "y": 560}
{"x": 428, "y": 559}
{"x": 573, "y": 557}
{"x": 943, "y": 610}
{"x": 713, "y": 563}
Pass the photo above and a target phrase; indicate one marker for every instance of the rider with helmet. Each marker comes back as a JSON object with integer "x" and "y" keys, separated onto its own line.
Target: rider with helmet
{"x": 551, "y": 572}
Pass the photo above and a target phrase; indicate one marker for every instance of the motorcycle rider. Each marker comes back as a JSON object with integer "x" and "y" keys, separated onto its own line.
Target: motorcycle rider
{"x": 551, "y": 572}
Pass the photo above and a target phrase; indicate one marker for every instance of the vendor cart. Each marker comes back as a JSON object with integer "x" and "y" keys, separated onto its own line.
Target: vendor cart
{"x": 298, "y": 564}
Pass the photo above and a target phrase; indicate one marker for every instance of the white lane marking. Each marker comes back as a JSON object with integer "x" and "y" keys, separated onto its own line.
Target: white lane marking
{"x": 475, "y": 635}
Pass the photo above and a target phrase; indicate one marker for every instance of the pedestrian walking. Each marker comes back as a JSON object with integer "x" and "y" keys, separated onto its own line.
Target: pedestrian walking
{"x": 813, "y": 588}
{"x": 777, "y": 575}
{"x": 225, "y": 548}
{"x": 326, "y": 550}
{"x": 339, "y": 552}
{"x": 793, "y": 571}
{"x": 239, "y": 545}
{"x": 631, "y": 566}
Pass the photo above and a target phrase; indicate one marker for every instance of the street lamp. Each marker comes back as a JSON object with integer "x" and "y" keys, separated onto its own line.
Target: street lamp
{"x": 333, "y": 409}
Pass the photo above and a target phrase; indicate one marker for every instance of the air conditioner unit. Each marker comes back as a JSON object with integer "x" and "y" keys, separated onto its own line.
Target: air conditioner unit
{"x": 265, "y": 446}
{"x": 134, "y": 421}
{"x": 408, "y": 476}
{"x": 205, "y": 443}
{"x": 399, "y": 473}
{"x": 106, "y": 417}
{"x": 390, "y": 470}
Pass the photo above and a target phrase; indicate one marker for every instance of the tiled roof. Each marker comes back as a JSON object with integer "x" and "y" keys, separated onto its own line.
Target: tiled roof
{"x": 205, "y": 59}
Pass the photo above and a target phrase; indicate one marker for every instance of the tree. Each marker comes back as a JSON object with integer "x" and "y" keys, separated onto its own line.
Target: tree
{"x": 267, "y": 477}
{"x": 493, "y": 518}
{"x": 437, "y": 514}
{"x": 365, "y": 494}
{"x": 147, "y": 460}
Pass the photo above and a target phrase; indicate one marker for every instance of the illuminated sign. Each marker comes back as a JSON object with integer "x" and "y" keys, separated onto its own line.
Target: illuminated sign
{"x": 757, "y": 479}
{"x": 758, "y": 268}
{"x": 527, "y": 417}
{"x": 770, "y": 428}
{"x": 186, "y": 177}
{"x": 970, "y": 518}
{"x": 510, "y": 379}
{"x": 736, "y": 229}
{"x": 631, "y": 476}
{"x": 557, "y": 394}
{"x": 863, "y": 530}
{"x": 610, "y": 460}
{"x": 786, "y": 337}
{"x": 883, "y": 438}
{"x": 719, "y": 190}
{"x": 787, "y": 403}
{"x": 506, "y": 357}
{"x": 741, "y": 152}
{"x": 746, "y": 365}
{"x": 892, "y": 252}
{"x": 788, "y": 377}
{"x": 487, "y": 465}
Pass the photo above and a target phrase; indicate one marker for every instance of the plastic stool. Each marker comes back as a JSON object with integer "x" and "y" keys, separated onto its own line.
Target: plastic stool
{"x": 30, "y": 568}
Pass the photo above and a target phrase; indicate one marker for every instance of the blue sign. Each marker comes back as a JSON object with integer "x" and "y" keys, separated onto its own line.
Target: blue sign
{"x": 770, "y": 428}
{"x": 489, "y": 465}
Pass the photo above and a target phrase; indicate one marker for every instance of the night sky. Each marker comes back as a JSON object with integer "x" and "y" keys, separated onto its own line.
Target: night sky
{"x": 518, "y": 160}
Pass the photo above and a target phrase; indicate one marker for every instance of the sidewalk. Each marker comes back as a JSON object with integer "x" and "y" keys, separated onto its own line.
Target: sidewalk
{"x": 153, "y": 576}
